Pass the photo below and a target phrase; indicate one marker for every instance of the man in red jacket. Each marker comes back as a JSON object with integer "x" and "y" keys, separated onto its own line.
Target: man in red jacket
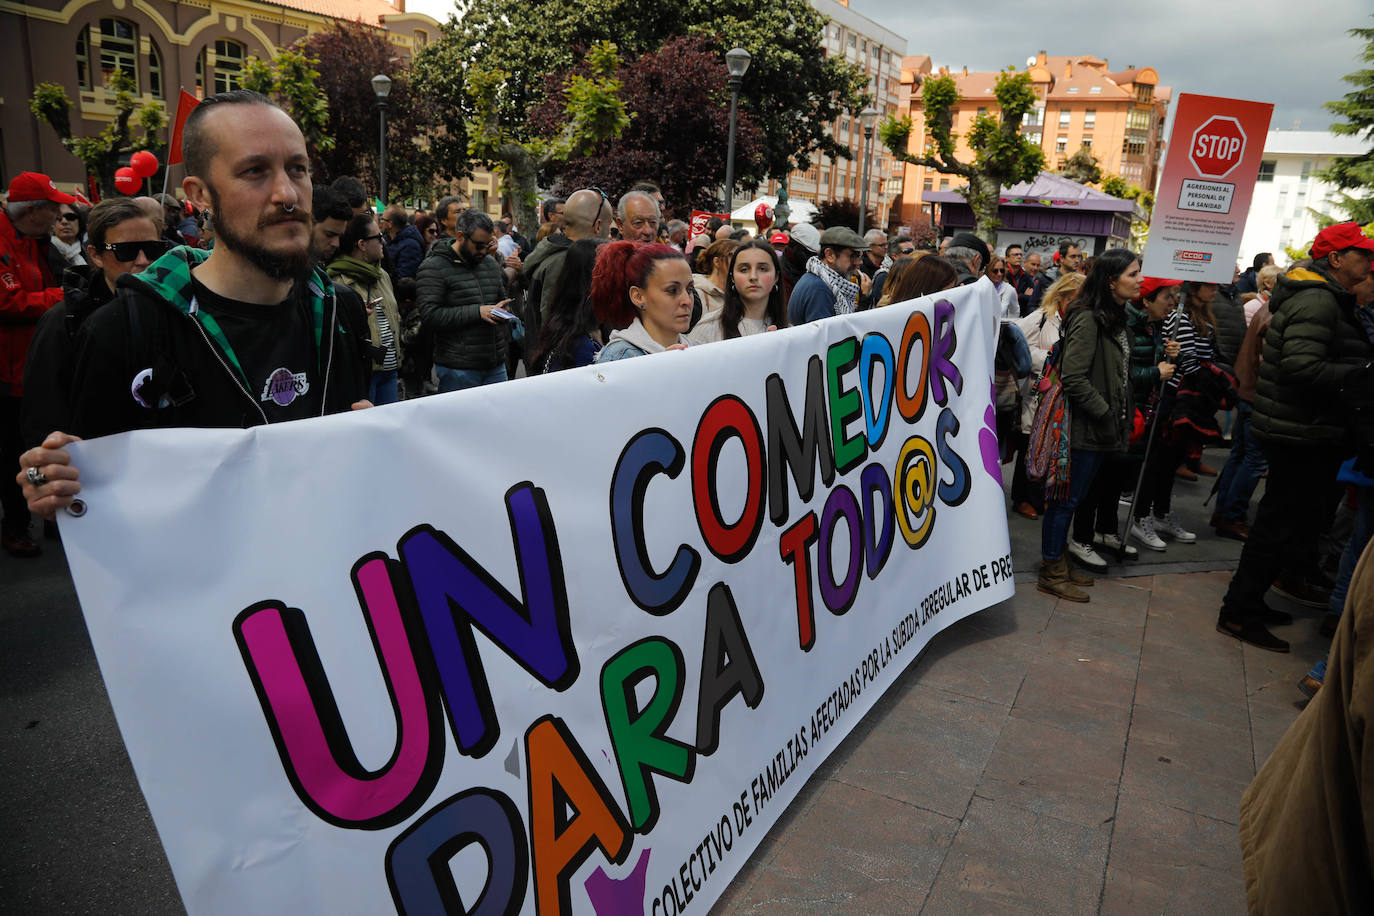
{"x": 27, "y": 290}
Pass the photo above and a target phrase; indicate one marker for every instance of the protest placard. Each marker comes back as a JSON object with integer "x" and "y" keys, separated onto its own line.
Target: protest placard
{"x": 1209, "y": 175}
{"x": 565, "y": 644}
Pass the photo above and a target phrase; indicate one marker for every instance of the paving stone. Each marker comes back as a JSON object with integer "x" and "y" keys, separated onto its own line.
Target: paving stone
{"x": 1054, "y": 772}
{"x": 1165, "y": 860}
{"x": 1078, "y": 694}
{"x": 1208, "y": 693}
{"x": 928, "y": 749}
{"x": 1188, "y": 763}
{"x": 1120, "y": 600}
{"x": 966, "y": 661}
{"x": 857, "y": 852}
{"x": 1006, "y": 859}
{"x": 1112, "y": 646}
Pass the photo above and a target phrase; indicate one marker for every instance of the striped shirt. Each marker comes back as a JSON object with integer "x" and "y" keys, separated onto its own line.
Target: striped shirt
{"x": 1193, "y": 348}
{"x": 387, "y": 337}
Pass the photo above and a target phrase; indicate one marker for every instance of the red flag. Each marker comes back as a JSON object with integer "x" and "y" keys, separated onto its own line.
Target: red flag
{"x": 82, "y": 199}
{"x": 185, "y": 104}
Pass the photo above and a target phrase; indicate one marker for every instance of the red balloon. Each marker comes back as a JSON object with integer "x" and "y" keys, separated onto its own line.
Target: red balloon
{"x": 143, "y": 163}
{"x": 126, "y": 181}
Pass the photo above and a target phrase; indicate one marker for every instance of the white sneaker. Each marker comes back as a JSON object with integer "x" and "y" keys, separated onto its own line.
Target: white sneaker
{"x": 1169, "y": 527}
{"x": 1112, "y": 542}
{"x": 1143, "y": 533}
{"x": 1086, "y": 556}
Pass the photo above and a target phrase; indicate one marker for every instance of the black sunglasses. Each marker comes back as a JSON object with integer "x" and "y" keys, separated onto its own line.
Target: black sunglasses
{"x": 906, "y": 250}
{"x": 124, "y": 252}
{"x": 68, "y": 217}
{"x": 370, "y": 238}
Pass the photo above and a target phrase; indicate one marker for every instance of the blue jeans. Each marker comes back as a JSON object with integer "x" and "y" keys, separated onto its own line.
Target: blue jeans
{"x": 458, "y": 379}
{"x": 383, "y": 387}
{"x": 1054, "y": 527}
{"x": 1244, "y": 468}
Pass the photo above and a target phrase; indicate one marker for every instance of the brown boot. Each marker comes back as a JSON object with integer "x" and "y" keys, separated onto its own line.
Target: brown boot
{"x": 1078, "y": 576}
{"x": 1054, "y": 580}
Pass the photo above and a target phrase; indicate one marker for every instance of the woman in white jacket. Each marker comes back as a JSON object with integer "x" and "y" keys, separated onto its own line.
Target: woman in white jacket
{"x": 1041, "y": 329}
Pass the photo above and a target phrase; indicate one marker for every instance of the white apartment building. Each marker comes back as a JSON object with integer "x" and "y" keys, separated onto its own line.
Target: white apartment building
{"x": 878, "y": 51}
{"x": 1287, "y": 190}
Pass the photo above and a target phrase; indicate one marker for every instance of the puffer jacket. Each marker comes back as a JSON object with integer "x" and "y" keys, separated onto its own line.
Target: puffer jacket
{"x": 27, "y": 290}
{"x": 1230, "y": 332}
{"x": 1313, "y": 348}
{"x": 450, "y": 294}
{"x": 1092, "y": 369}
{"x": 1147, "y": 352}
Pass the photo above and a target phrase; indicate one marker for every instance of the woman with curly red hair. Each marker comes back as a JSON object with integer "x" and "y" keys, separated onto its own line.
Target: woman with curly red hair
{"x": 645, "y": 293}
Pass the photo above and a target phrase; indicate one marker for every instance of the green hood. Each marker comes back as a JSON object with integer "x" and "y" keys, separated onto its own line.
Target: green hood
{"x": 169, "y": 279}
{"x": 1304, "y": 278}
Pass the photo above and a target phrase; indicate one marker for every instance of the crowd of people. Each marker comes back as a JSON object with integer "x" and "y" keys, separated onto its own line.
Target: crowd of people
{"x": 261, "y": 297}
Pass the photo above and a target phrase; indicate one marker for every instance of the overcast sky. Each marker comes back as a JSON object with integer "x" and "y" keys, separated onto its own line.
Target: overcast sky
{"x": 1290, "y": 53}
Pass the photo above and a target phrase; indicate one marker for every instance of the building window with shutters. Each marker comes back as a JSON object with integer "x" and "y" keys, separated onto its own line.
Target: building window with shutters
{"x": 229, "y": 56}
{"x": 1266, "y": 171}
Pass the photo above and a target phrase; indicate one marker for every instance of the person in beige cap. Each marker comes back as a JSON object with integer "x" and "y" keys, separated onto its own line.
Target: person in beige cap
{"x": 830, "y": 286}
{"x": 27, "y": 290}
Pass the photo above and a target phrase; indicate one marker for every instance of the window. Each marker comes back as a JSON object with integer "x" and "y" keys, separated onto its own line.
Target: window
{"x": 1266, "y": 171}
{"x": 479, "y": 199}
{"x": 944, "y": 184}
{"x": 853, "y": 41}
{"x": 119, "y": 47}
{"x": 154, "y": 70}
{"x": 1073, "y": 90}
{"x": 1087, "y": 143}
{"x": 1138, "y": 119}
{"x": 1063, "y": 118}
{"x": 982, "y": 110}
{"x": 229, "y": 57}
{"x": 1144, "y": 94}
{"x": 1090, "y": 119}
{"x": 864, "y": 47}
{"x": 1096, "y": 90}
{"x": 421, "y": 38}
{"x": 1306, "y": 169}
{"x": 1061, "y": 144}
{"x": 83, "y": 59}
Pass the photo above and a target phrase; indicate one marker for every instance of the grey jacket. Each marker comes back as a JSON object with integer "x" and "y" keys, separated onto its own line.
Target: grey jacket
{"x": 450, "y": 294}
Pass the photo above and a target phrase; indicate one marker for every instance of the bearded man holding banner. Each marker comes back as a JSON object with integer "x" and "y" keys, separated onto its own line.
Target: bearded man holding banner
{"x": 244, "y": 335}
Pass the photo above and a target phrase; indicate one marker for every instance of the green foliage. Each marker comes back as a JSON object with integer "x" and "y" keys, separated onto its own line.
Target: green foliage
{"x": 791, "y": 90}
{"x": 291, "y": 79}
{"x": 1082, "y": 167}
{"x": 1001, "y": 156}
{"x": 1356, "y": 110}
{"x": 101, "y": 154}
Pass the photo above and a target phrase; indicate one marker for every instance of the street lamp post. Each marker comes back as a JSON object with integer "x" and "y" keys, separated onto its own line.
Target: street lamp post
{"x": 381, "y": 87}
{"x": 867, "y": 118}
{"x": 736, "y": 62}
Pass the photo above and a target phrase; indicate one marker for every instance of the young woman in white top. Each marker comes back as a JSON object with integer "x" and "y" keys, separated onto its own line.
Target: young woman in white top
{"x": 753, "y": 296}
{"x": 713, "y": 271}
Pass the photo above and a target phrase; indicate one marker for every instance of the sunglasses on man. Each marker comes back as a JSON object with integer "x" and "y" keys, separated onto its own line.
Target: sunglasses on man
{"x": 124, "y": 252}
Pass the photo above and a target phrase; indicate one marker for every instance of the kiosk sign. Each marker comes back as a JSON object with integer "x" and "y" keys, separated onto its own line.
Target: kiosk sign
{"x": 1204, "y": 193}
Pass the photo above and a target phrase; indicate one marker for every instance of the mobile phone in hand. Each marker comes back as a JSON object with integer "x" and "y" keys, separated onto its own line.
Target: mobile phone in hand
{"x": 503, "y": 314}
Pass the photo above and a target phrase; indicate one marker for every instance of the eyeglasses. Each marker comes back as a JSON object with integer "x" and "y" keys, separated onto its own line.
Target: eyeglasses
{"x": 68, "y": 217}
{"x": 996, "y": 270}
{"x": 124, "y": 252}
{"x": 431, "y": 231}
{"x": 370, "y": 238}
{"x": 906, "y": 250}
{"x": 603, "y": 194}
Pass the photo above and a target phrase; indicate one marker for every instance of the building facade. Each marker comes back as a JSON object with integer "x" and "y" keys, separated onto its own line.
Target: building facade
{"x": 1082, "y": 104}
{"x": 1289, "y": 195}
{"x": 166, "y": 45}
{"x": 878, "y": 51}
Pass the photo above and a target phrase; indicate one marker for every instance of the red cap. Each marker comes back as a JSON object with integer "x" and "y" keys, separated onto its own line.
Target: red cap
{"x": 36, "y": 186}
{"x": 1150, "y": 285}
{"x": 1340, "y": 237}
{"x": 778, "y": 238}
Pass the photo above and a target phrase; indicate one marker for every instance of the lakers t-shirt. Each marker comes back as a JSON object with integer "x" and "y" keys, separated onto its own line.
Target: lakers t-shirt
{"x": 275, "y": 345}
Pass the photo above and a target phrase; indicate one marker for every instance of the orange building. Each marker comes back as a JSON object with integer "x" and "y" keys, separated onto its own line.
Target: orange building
{"x": 1119, "y": 116}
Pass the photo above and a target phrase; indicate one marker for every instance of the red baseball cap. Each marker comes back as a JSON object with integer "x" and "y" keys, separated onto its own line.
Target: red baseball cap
{"x": 1151, "y": 285}
{"x": 778, "y": 238}
{"x": 1340, "y": 237}
{"x": 36, "y": 186}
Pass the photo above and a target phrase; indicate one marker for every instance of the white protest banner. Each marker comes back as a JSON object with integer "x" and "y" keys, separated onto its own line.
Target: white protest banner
{"x": 1204, "y": 195}
{"x": 565, "y": 644}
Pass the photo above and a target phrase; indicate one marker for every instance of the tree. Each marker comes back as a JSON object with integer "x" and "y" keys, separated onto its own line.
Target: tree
{"x": 792, "y": 91}
{"x": 1118, "y": 187}
{"x": 348, "y": 55}
{"x": 102, "y": 153}
{"x": 1001, "y": 156}
{"x": 684, "y": 154}
{"x": 290, "y": 78}
{"x": 475, "y": 101}
{"x": 1356, "y": 110}
{"x": 1082, "y": 167}
{"x": 841, "y": 213}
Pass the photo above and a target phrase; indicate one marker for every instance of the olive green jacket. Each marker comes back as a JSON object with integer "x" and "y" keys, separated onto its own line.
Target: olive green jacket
{"x": 1092, "y": 369}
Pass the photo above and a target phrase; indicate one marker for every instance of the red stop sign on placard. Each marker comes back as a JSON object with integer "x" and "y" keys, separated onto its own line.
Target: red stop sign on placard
{"x": 1218, "y": 146}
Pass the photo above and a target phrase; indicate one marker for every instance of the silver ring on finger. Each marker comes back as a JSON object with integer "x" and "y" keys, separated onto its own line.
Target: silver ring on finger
{"x": 35, "y": 477}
